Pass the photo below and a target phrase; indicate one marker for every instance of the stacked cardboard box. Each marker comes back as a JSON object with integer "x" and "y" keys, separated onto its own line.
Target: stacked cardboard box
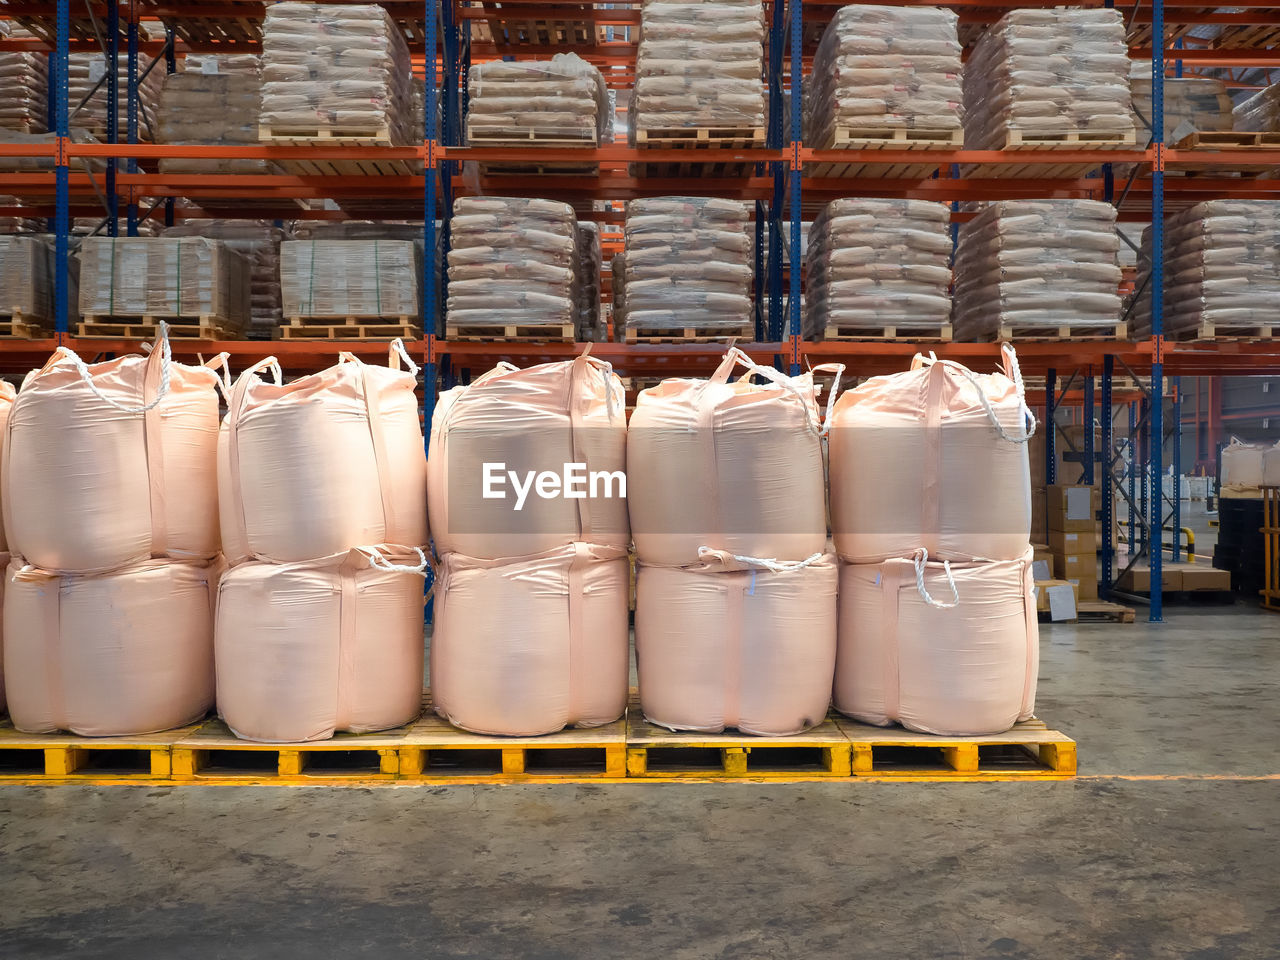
{"x": 1073, "y": 538}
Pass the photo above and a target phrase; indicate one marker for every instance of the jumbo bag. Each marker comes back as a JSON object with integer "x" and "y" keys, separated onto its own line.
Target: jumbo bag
{"x": 933, "y": 458}
{"x": 512, "y": 430}
{"x": 532, "y": 645}
{"x": 110, "y": 464}
{"x": 732, "y": 467}
{"x": 119, "y": 654}
{"x": 303, "y": 650}
{"x": 948, "y": 648}
{"x": 328, "y": 462}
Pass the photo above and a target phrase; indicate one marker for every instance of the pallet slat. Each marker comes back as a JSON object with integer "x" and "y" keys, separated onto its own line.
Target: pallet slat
{"x": 512, "y": 332}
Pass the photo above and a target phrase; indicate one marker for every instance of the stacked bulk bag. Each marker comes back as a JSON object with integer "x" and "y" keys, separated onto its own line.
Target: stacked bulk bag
{"x": 6, "y": 403}
{"x": 323, "y": 490}
{"x": 931, "y": 515}
{"x": 736, "y": 594}
{"x": 531, "y": 611}
{"x": 110, "y": 512}
{"x": 1243, "y": 468}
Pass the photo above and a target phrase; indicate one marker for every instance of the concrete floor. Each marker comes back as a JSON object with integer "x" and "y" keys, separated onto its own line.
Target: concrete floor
{"x": 1182, "y": 864}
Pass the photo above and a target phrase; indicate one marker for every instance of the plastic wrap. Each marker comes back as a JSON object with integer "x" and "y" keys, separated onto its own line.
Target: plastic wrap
{"x": 350, "y": 278}
{"x": 303, "y": 650}
{"x": 83, "y": 72}
{"x": 125, "y": 653}
{"x": 699, "y": 65}
{"x": 1032, "y": 263}
{"x": 948, "y": 650}
{"x": 1039, "y": 73}
{"x": 688, "y": 264}
{"x": 726, "y": 469}
{"x": 24, "y": 77}
{"x": 753, "y": 650}
{"x": 529, "y": 421}
{"x": 561, "y": 99}
{"x": 1222, "y": 267}
{"x": 881, "y": 68}
{"x": 89, "y": 487}
{"x": 1191, "y": 104}
{"x": 511, "y": 261}
{"x": 917, "y": 460}
{"x": 321, "y": 465}
{"x": 259, "y": 243}
{"x": 207, "y": 106}
{"x": 358, "y": 230}
{"x": 26, "y": 279}
{"x": 587, "y": 320}
{"x": 876, "y": 263}
{"x": 1259, "y": 112}
{"x": 529, "y": 646}
{"x": 342, "y": 68}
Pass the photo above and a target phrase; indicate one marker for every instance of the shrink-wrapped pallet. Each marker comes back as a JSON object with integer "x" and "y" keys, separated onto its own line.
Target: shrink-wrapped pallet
{"x": 934, "y": 457}
{"x": 212, "y": 107}
{"x": 949, "y": 649}
{"x": 84, "y": 70}
{"x": 185, "y": 278}
{"x": 587, "y": 320}
{"x": 753, "y": 650}
{"x": 618, "y": 289}
{"x": 26, "y": 280}
{"x": 1040, "y": 74}
{"x": 509, "y": 426}
{"x": 878, "y": 263}
{"x": 24, "y": 77}
{"x": 323, "y": 464}
{"x": 1221, "y": 269}
{"x": 1191, "y": 104}
{"x": 719, "y": 469}
{"x": 304, "y": 650}
{"x": 111, "y": 464}
{"x": 1259, "y": 112}
{"x": 120, "y": 654}
{"x": 511, "y": 262}
{"x": 259, "y": 243}
{"x": 699, "y": 66}
{"x": 529, "y": 646}
{"x": 1024, "y": 265}
{"x": 688, "y": 265}
{"x": 350, "y": 278}
{"x": 408, "y": 230}
{"x": 558, "y": 101}
{"x": 336, "y": 69}
{"x": 880, "y": 68}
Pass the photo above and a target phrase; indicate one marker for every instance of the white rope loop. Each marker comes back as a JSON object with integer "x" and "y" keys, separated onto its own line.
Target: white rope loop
{"x": 397, "y": 346}
{"x": 920, "y": 559}
{"x": 379, "y": 560}
{"x": 166, "y": 364}
{"x": 778, "y": 378}
{"x": 773, "y": 566}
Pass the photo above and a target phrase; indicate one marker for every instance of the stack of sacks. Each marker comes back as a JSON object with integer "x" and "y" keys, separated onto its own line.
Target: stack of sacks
{"x": 111, "y": 515}
{"x": 561, "y": 99}
{"x": 358, "y": 230}
{"x": 531, "y": 608}
{"x": 344, "y": 68}
{"x": 511, "y": 261}
{"x": 259, "y": 243}
{"x": 587, "y": 320}
{"x": 188, "y": 278}
{"x": 1048, "y": 72}
{"x": 878, "y": 263}
{"x": 350, "y": 278}
{"x": 1190, "y": 104}
{"x": 1259, "y": 112}
{"x": 14, "y": 225}
{"x": 213, "y": 101}
{"x": 618, "y": 288}
{"x": 1033, "y": 263}
{"x": 736, "y": 590}
{"x": 1221, "y": 267}
{"x": 699, "y": 66}
{"x": 322, "y": 484}
{"x": 931, "y": 512}
{"x": 688, "y": 264}
{"x": 84, "y": 70}
{"x": 884, "y": 68}
{"x": 25, "y": 80}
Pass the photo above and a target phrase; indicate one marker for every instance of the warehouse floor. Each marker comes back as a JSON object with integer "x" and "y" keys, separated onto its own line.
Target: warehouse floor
{"x": 1166, "y": 846}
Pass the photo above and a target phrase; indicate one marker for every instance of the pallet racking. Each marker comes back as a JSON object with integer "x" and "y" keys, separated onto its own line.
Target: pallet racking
{"x": 780, "y": 177}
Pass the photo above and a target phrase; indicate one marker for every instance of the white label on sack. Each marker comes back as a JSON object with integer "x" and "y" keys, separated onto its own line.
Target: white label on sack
{"x": 574, "y": 482}
{"x": 209, "y": 65}
{"x": 97, "y": 69}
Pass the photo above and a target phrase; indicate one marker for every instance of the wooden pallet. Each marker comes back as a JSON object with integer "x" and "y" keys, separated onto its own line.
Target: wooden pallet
{"x": 706, "y": 140}
{"x": 339, "y": 137}
{"x": 689, "y": 334}
{"x": 514, "y": 332}
{"x": 888, "y": 138}
{"x": 204, "y": 327}
{"x": 541, "y": 33}
{"x": 64, "y": 756}
{"x": 1029, "y": 749}
{"x": 1046, "y": 143}
{"x": 1232, "y": 139}
{"x": 906, "y": 331}
{"x": 1107, "y": 331}
{"x": 13, "y": 326}
{"x": 1103, "y": 611}
{"x": 351, "y": 328}
{"x": 1208, "y": 330}
{"x": 507, "y": 137}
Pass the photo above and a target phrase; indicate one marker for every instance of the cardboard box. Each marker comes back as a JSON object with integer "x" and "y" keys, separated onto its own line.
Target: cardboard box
{"x": 1041, "y": 551}
{"x": 1069, "y": 508}
{"x": 1138, "y": 580}
{"x": 1075, "y": 566}
{"x": 1086, "y": 588}
{"x": 1058, "y": 598}
{"x": 1063, "y": 542}
{"x": 1039, "y": 516}
{"x": 1201, "y": 576}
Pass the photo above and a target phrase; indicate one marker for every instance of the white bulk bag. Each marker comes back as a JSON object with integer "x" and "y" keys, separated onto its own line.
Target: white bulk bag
{"x": 946, "y": 648}
{"x": 933, "y": 458}
{"x": 306, "y": 649}
{"x": 7, "y": 393}
{"x": 1242, "y": 468}
{"x": 530, "y": 646}
{"x": 4, "y": 566}
{"x": 735, "y": 467}
{"x": 532, "y": 422}
{"x": 326, "y": 463}
{"x": 1271, "y": 466}
{"x": 753, "y": 649}
{"x": 124, "y": 653}
{"x": 110, "y": 464}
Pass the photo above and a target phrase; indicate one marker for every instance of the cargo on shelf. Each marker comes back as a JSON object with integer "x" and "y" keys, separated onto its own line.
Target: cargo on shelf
{"x": 561, "y": 102}
{"x": 259, "y": 243}
{"x": 589, "y": 323}
{"x": 26, "y": 286}
{"x": 214, "y": 101}
{"x": 336, "y": 284}
{"x": 1260, "y": 111}
{"x": 1191, "y": 104}
{"x": 85, "y": 70}
{"x": 25, "y": 80}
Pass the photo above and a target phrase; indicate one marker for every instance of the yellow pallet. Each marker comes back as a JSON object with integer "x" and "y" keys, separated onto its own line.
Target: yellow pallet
{"x": 64, "y": 756}
{"x": 1030, "y": 749}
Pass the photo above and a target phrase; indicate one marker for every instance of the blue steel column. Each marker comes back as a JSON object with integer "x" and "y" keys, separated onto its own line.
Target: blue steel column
{"x": 776, "y": 140}
{"x": 170, "y": 68}
{"x": 62, "y": 181}
{"x": 1050, "y": 431}
{"x": 762, "y": 323}
{"x": 797, "y": 73}
{"x": 428, "y": 307}
{"x": 1156, "y": 610}
{"x": 131, "y": 165}
{"x": 113, "y": 113}
{"x": 1108, "y": 501}
{"x": 1176, "y": 414}
{"x": 1087, "y": 477}
{"x": 1134, "y": 467}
